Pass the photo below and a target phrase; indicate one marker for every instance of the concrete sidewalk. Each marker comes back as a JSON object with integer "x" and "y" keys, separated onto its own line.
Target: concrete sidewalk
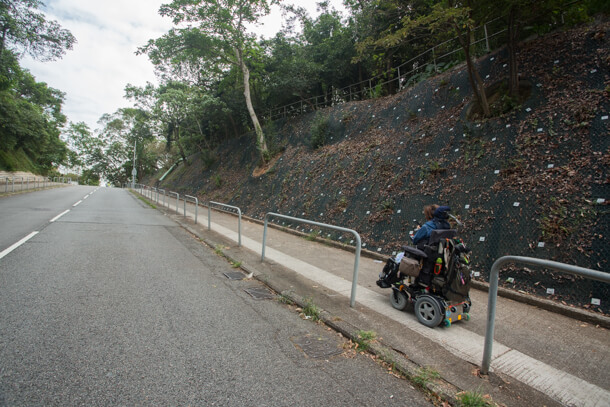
{"x": 539, "y": 357}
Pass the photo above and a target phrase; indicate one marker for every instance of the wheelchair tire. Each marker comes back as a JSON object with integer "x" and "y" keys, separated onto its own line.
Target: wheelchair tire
{"x": 399, "y": 300}
{"x": 428, "y": 311}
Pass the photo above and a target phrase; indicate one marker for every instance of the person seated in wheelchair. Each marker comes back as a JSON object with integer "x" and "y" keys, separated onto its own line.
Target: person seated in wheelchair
{"x": 436, "y": 227}
{"x": 436, "y": 219}
{"x": 417, "y": 261}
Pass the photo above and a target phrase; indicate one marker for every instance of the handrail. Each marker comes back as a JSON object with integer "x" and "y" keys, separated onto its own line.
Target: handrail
{"x": 493, "y": 292}
{"x": 196, "y": 205}
{"x": 212, "y": 203}
{"x": 338, "y": 228}
{"x": 368, "y": 83}
{"x": 163, "y": 196}
{"x": 177, "y": 199}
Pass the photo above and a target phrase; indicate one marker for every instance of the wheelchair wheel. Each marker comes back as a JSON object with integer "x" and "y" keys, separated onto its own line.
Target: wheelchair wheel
{"x": 399, "y": 300}
{"x": 428, "y": 311}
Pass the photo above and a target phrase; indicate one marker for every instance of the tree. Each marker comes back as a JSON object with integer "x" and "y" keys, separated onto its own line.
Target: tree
{"x": 457, "y": 17}
{"x": 519, "y": 13}
{"x": 30, "y": 120}
{"x": 177, "y": 110}
{"x": 219, "y": 26}
{"x": 25, "y": 30}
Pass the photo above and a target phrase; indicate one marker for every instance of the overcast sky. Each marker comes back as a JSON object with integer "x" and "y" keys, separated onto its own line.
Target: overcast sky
{"x": 108, "y": 32}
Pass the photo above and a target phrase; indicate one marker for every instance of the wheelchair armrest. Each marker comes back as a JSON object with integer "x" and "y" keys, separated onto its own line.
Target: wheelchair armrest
{"x": 414, "y": 251}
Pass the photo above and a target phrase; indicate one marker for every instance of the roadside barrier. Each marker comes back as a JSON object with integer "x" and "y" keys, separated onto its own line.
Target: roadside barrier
{"x": 493, "y": 292}
{"x": 27, "y": 183}
{"x": 177, "y": 199}
{"x": 224, "y": 209}
{"x": 195, "y": 200}
{"x": 164, "y": 194}
{"x": 324, "y": 225}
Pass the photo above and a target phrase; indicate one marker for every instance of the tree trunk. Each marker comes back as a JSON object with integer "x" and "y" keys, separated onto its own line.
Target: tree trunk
{"x": 478, "y": 87}
{"x": 260, "y": 136}
{"x": 203, "y": 138}
{"x": 177, "y": 139}
{"x": 513, "y": 74}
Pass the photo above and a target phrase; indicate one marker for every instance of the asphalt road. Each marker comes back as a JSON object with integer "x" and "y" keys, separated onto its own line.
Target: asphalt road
{"x": 114, "y": 304}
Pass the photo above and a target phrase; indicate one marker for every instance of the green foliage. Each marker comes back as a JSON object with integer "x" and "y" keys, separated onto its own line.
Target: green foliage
{"x": 364, "y": 339}
{"x": 311, "y": 310}
{"x": 30, "y": 113}
{"x": 284, "y": 299}
{"x": 26, "y": 30}
{"x": 425, "y": 375}
{"x": 473, "y": 399}
{"x": 217, "y": 180}
{"x": 16, "y": 161}
{"x": 88, "y": 177}
{"x": 320, "y": 129}
{"x": 388, "y": 204}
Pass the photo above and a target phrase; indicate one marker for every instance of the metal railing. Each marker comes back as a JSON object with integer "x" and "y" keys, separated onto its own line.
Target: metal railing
{"x": 170, "y": 193}
{"x": 324, "y": 225}
{"x": 400, "y": 74}
{"x": 164, "y": 194}
{"x": 221, "y": 205}
{"x": 195, "y": 200}
{"x": 493, "y": 292}
{"x": 27, "y": 183}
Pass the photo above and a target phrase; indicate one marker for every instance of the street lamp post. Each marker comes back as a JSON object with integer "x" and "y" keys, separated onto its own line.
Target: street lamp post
{"x": 134, "y": 171}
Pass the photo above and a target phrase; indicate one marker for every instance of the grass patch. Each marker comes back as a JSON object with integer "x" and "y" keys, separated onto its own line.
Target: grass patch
{"x": 284, "y": 299}
{"x": 312, "y": 236}
{"x": 236, "y": 264}
{"x": 364, "y": 339}
{"x": 147, "y": 202}
{"x": 426, "y": 375}
{"x": 218, "y": 250}
{"x": 311, "y": 310}
{"x": 474, "y": 399}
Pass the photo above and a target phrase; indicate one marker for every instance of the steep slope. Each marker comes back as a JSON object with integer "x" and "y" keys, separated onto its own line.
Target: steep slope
{"x": 532, "y": 182}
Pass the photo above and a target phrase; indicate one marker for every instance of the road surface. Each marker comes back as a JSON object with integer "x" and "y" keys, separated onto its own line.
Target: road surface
{"x": 108, "y": 302}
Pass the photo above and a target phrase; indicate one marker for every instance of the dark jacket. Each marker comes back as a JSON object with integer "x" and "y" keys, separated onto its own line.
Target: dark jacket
{"x": 438, "y": 222}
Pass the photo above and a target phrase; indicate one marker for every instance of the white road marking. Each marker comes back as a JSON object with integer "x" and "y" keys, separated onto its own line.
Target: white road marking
{"x": 59, "y": 216}
{"x": 16, "y": 245}
{"x": 76, "y": 204}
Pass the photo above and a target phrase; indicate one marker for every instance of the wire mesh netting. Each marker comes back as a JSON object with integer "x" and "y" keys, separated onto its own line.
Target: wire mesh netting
{"x": 530, "y": 182}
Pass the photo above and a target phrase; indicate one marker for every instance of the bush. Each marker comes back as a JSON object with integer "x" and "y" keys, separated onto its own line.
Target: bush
{"x": 319, "y": 131}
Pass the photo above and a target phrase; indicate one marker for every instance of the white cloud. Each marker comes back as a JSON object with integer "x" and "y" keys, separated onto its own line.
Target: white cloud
{"x": 94, "y": 74}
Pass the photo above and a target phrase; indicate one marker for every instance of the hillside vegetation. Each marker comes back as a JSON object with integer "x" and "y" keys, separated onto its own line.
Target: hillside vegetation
{"x": 531, "y": 181}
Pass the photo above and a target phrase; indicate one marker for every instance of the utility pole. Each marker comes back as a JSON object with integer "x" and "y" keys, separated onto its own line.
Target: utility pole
{"x": 134, "y": 171}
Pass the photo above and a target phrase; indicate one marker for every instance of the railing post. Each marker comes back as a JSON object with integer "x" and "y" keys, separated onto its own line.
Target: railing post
{"x": 338, "y": 228}
{"x": 210, "y": 203}
{"x": 486, "y": 37}
{"x": 264, "y": 238}
{"x": 493, "y": 292}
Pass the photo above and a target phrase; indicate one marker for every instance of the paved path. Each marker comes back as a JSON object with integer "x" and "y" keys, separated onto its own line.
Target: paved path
{"x": 108, "y": 302}
{"x": 564, "y": 359}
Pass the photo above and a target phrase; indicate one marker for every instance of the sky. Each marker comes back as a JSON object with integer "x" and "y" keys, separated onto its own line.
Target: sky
{"x": 93, "y": 75}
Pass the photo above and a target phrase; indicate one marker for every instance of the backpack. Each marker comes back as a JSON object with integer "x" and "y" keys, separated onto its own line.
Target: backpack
{"x": 457, "y": 271}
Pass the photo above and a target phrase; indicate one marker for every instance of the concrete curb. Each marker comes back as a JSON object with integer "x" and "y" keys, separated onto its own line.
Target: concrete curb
{"x": 437, "y": 388}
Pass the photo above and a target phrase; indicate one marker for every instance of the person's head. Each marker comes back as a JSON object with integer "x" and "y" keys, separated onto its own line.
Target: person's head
{"x": 429, "y": 211}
